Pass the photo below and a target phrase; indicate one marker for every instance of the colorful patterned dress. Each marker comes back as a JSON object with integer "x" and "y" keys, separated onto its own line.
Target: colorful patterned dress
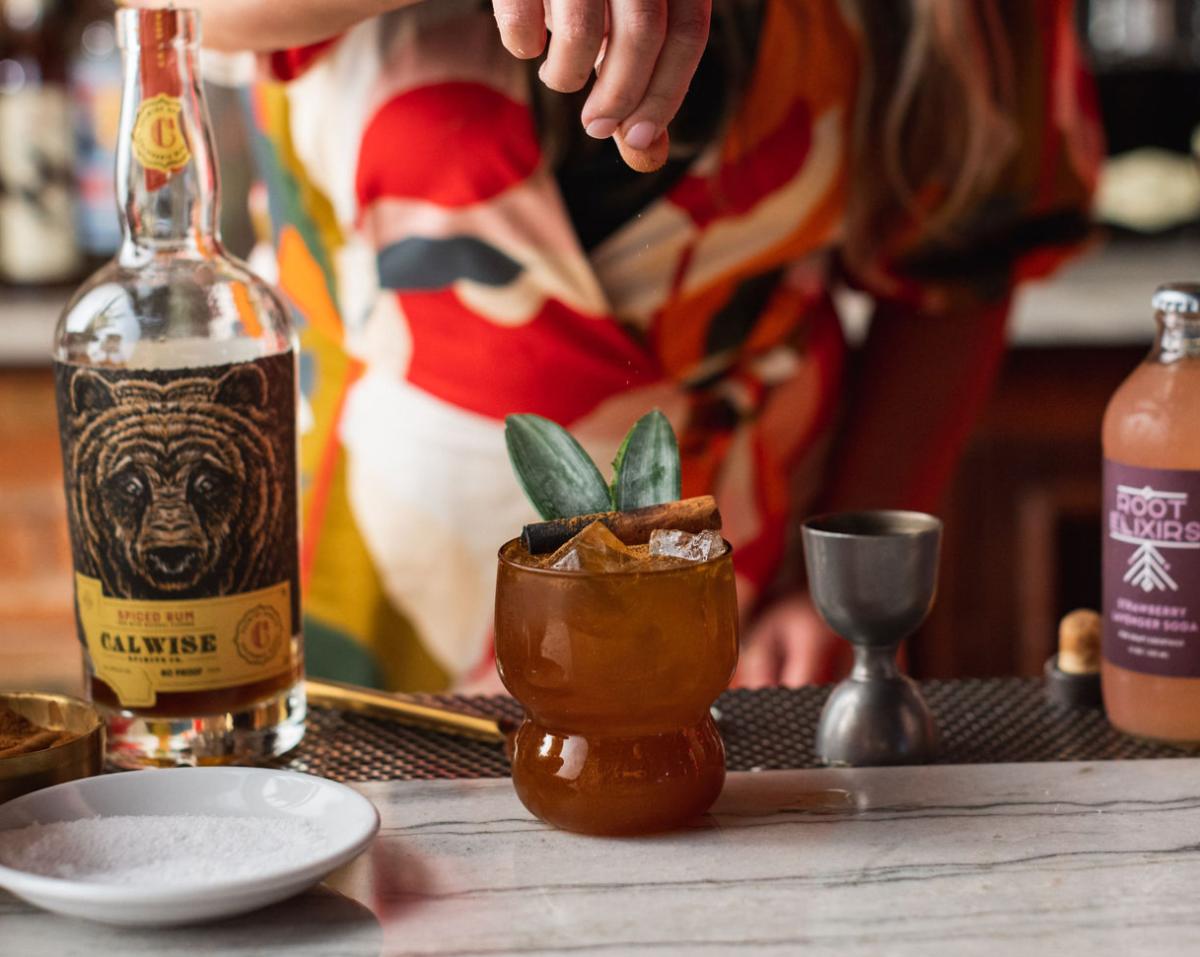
{"x": 440, "y": 283}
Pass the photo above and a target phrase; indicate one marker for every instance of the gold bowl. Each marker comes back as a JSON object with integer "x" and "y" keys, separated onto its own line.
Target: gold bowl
{"x": 80, "y": 757}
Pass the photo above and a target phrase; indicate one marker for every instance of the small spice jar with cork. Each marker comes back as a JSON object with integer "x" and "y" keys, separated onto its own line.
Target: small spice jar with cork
{"x": 1073, "y": 675}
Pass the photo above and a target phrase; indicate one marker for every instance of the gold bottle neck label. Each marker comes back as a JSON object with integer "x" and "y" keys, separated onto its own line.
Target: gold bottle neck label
{"x": 159, "y": 141}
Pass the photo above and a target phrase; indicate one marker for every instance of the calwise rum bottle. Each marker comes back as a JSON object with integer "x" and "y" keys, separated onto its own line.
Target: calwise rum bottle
{"x": 175, "y": 372}
{"x": 1151, "y": 666}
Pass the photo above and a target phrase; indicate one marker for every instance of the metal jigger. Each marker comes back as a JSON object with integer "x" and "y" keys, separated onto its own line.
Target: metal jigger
{"x": 872, "y": 577}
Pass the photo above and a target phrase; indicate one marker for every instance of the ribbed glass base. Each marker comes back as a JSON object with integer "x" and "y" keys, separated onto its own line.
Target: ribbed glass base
{"x": 250, "y": 735}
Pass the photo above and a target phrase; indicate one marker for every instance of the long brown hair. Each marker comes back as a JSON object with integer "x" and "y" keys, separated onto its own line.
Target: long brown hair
{"x": 932, "y": 125}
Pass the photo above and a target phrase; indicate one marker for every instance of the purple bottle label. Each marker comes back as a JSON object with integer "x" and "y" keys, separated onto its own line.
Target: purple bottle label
{"x": 1152, "y": 569}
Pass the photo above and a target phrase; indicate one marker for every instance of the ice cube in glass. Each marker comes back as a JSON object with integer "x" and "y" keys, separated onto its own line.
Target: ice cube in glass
{"x": 675, "y": 543}
{"x": 595, "y": 549}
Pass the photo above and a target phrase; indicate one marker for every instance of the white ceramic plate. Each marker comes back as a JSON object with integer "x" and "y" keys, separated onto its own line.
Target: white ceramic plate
{"x": 347, "y": 820}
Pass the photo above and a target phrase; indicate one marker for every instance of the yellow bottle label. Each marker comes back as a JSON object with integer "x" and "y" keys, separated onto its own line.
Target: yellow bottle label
{"x": 159, "y": 142}
{"x": 141, "y": 648}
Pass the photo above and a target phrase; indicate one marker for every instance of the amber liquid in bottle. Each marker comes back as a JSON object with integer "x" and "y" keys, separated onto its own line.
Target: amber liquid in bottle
{"x": 1151, "y": 666}
{"x": 176, "y": 384}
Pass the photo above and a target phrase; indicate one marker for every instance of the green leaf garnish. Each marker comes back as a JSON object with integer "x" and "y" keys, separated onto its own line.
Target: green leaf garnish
{"x": 618, "y": 463}
{"x": 646, "y": 470}
{"x": 556, "y": 473}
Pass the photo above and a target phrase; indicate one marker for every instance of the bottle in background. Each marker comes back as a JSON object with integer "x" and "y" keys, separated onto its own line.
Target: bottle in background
{"x": 94, "y": 79}
{"x": 1151, "y": 667}
{"x": 37, "y": 223}
{"x": 176, "y": 376}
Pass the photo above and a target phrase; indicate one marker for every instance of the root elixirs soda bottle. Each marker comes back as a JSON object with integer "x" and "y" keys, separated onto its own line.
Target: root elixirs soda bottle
{"x": 1151, "y": 665}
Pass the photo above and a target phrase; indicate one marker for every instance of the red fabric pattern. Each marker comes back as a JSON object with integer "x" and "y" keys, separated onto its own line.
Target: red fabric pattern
{"x": 737, "y": 187}
{"x": 285, "y": 65}
{"x": 561, "y": 364}
{"x": 488, "y": 138}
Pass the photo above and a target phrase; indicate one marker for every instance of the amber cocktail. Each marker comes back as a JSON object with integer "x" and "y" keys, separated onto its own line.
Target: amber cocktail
{"x": 617, "y": 670}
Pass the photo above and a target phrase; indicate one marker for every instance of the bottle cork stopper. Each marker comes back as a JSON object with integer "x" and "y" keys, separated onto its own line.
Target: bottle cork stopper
{"x": 1079, "y": 642}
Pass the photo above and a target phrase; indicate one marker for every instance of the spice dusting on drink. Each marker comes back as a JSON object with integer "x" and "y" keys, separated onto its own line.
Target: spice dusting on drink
{"x": 19, "y": 735}
{"x": 634, "y": 527}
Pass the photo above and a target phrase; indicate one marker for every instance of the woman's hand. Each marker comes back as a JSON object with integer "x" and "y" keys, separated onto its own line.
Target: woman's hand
{"x": 644, "y": 53}
{"x": 789, "y": 644}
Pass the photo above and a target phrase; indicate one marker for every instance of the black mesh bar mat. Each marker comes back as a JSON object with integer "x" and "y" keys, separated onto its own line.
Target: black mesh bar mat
{"x": 981, "y": 721}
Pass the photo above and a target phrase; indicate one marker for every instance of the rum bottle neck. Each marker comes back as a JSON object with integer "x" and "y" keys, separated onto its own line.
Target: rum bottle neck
{"x": 166, "y": 177}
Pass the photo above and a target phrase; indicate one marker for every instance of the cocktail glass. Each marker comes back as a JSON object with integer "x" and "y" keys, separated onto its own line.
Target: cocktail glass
{"x": 617, "y": 671}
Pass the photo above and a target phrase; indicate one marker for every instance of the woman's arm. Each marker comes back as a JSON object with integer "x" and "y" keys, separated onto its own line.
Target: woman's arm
{"x": 268, "y": 25}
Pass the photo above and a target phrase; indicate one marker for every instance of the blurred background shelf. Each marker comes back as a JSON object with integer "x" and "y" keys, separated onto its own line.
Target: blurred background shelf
{"x": 27, "y": 320}
{"x": 1103, "y": 298}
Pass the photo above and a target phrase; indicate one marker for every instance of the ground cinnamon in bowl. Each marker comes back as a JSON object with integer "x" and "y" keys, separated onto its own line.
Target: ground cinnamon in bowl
{"x": 19, "y": 735}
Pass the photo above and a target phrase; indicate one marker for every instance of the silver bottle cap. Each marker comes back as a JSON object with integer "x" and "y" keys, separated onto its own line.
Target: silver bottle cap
{"x": 1181, "y": 298}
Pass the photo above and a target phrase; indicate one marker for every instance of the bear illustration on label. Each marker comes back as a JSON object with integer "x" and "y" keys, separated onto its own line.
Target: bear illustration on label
{"x": 175, "y": 480}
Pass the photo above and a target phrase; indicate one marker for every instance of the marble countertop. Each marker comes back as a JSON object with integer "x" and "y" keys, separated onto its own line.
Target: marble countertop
{"x": 1094, "y": 858}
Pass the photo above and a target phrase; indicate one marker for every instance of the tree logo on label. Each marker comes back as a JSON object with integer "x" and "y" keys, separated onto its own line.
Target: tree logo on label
{"x": 1149, "y": 570}
{"x": 1154, "y": 521}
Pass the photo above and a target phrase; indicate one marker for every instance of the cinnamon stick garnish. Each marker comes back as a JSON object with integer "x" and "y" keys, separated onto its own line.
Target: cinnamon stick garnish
{"x": 632, "y": 528}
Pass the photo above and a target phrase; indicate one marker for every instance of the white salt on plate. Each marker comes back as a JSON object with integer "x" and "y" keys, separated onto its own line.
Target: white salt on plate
{"x": 177, "y": 849}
